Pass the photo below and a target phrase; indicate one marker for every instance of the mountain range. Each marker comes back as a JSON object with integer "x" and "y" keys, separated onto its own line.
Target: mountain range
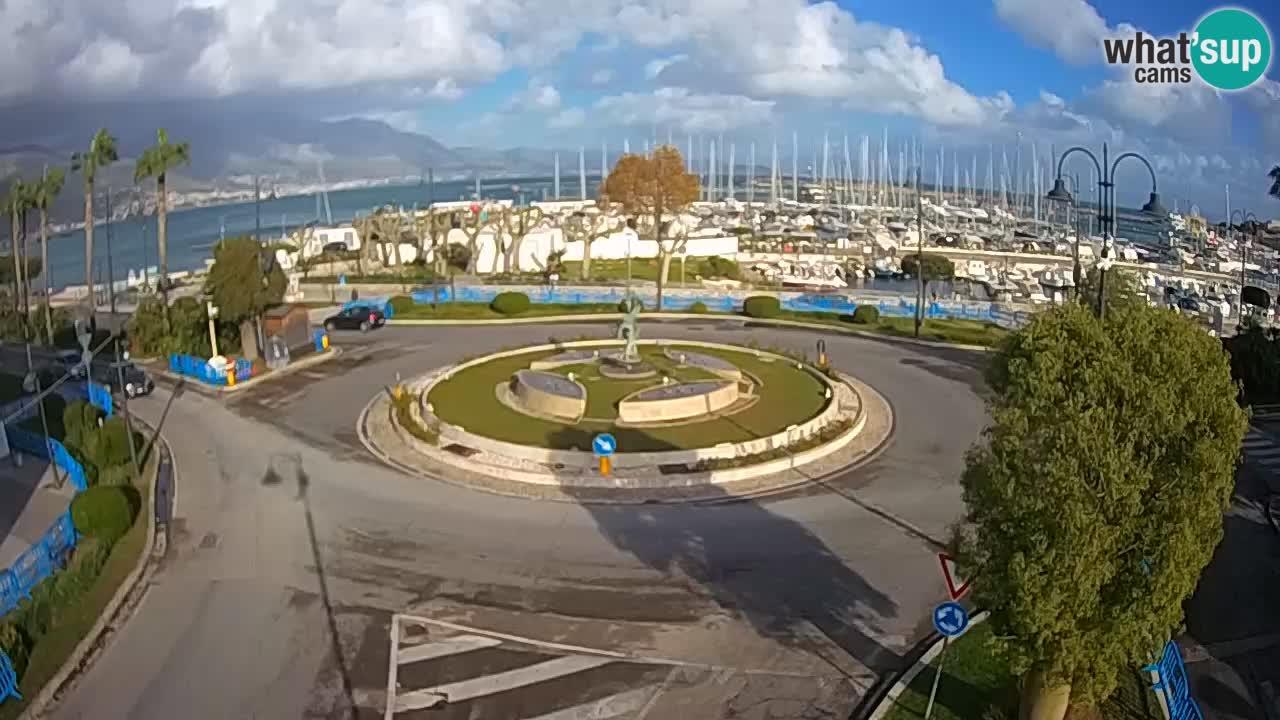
{"x": 231, "y": 145}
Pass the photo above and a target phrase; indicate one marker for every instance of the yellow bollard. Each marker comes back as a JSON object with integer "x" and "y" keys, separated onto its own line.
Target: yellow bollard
{"x": 398, "y": 391}
{"x": 231, "y": 374}
{"x": 604, "y": 466}
{"x": 324, "y": 341}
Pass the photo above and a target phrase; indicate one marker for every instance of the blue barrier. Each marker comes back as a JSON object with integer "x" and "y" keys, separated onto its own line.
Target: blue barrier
{"x": 8, "y": 679}
{"x": 100, "y": 396}
{"x": 37, "y": 563}
{"x": 33, "y": 444}
{"x": 722, "y": 301}
{"x": 198, "y": 369}
{"x": 1171, "y": 684}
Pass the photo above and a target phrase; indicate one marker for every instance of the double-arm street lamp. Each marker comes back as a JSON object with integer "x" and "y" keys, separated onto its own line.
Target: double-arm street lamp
{"x": 1245, "y": 217}
{"x": 1106, "y": 205}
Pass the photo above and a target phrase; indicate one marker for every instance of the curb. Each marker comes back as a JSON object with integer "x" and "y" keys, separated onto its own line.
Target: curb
{"x": 880, "y": 700}
{"x": 216, "y": 390}
{"x": 81, "y": 657}
{"x": 606, "y": 317}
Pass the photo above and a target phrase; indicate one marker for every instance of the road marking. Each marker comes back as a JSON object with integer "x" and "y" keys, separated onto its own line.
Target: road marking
{"x": 392, "y": 666}
{"x": 444, "y": 648}
{"x": 499, "y": 682}
{"x": 623, "y": 703}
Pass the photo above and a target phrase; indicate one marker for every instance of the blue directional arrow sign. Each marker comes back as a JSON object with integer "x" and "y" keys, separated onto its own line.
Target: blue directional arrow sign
{"x": 604, "y": 444}
{"x": 950, "y": 619}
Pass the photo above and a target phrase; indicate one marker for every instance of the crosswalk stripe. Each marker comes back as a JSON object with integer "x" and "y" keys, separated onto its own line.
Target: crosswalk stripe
{"x": 452, "y": 646}
{"x": 499, "y": 682}
{"x": 1271, "y": 451}
{"x": 623, "y": 703}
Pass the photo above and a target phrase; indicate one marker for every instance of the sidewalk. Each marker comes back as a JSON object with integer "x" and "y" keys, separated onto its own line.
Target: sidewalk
{"x": 29, "y": 503}
{"x": 1232, "y": 646}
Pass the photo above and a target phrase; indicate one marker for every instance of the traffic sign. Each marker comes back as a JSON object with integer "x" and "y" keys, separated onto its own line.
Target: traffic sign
{"x": 603, "y": 445}
{"x": 957, "y": 586}
{"x": 950, "y": 619}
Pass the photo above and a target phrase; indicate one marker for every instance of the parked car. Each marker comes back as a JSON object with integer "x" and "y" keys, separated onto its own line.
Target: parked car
{"x": 123, "y": 376}
{"x": 337, "y": 247}
{"x": 359, "y": 318}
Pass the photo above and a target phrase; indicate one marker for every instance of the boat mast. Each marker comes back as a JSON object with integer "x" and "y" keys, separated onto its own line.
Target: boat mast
{"x": 751, "y": 175}
{"x": 732, "y": 159}
{"x": 795, "y": 166}
{"x": 711, "y": 175}
{"x": 582, "y": 172}
{"x": 555, "y": 179}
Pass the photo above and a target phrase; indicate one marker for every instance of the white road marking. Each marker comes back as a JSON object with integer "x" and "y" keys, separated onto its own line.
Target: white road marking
{"x": 499, "y": 682}
{"x": 443, "y": 648}
{"x": 390, "y": 709}
{"x": 623, "y": 703}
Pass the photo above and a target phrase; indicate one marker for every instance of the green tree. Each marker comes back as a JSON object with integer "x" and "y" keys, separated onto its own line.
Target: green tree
{"x": 929, "y": 266}
{"x": 16, "y": 203}
{"x": 1096, "y": 496}
{"x": 156, "y": 162}
{"x": 1123, "y": 290}
{"x": 237, "y": 283}
{"x": 101, "y": 153}
{"x": 45, "y": 192}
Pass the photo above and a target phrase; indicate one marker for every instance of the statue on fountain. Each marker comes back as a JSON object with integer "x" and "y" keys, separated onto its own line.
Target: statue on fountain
{"x": 627, "y": 329}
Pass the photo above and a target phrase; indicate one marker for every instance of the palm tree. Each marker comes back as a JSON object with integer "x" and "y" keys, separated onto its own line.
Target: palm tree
{"x": 45, "y": 191}
{"x": 101, "y": 153}
{"x": 16, "y": 204}
{"x": 156, "y": 162}
{"x": 1275, "y": 182}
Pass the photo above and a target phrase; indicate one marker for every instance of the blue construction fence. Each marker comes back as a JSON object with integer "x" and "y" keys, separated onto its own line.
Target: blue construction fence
{"x": 720, "y": 302}
{"x": 1171, "y": 684}
{"x": 198, "y": 368}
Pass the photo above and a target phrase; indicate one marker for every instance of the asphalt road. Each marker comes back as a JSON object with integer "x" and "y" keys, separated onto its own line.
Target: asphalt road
{"x": 293, "y": 550}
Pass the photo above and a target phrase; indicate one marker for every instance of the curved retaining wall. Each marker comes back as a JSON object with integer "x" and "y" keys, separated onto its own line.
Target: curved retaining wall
{"x": 546, "y": 402}
{"x": 634, "y": 409}
{"x": 587, "y": 478}
{"x": 453, "y": 434}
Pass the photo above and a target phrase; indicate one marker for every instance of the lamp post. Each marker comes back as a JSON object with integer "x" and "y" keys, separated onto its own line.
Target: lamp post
{"x": 213, "y": 334}
{"x": 1106, "y": 205}
{"x": 1245, "y": 217}
{"x": 919, "y": 257}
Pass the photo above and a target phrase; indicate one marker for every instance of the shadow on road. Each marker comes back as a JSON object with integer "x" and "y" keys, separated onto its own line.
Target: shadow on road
{"x": 302, "y": 481}
{"x": 758, "y": 566}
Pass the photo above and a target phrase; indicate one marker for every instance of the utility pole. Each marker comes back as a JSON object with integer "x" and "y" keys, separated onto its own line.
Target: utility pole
{"x": 919, "y": 256}
{"x": 111, "y": 278}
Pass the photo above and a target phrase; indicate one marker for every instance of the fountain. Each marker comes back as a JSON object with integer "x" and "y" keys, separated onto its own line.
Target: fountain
{"x": 628, "y": 365}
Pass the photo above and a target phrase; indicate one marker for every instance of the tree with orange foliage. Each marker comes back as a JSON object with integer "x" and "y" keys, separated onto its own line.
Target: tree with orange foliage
{"x": 651, "y": 186}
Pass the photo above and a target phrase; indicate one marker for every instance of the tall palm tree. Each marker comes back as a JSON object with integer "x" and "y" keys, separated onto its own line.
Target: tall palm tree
{"x": 101, "y": 153}
{"x": 1275, "y": 182}
{"x": 156, "y": 162}
{"x": 45, "y": 191}
{"x": 16, "y": 204}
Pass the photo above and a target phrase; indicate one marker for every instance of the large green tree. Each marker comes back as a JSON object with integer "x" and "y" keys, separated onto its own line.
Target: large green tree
{"x": 1123, "y": 290}
{"x": 44, "y": 193}
{"x": 156, "y": 162}
{"x": 935, "y": 267}
{"x": 101, "y": 153}
{"x": 238, "y": 283}
{"x": 1095, "y": 498}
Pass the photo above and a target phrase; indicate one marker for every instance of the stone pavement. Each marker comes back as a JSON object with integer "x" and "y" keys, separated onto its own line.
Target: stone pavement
{"x": 29, "y": 503}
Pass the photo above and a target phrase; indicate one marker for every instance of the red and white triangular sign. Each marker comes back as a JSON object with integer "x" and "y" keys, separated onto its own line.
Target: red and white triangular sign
{"x": 956, "y": 585}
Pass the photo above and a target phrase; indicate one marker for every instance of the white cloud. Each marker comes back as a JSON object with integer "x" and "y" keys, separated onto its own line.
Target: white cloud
{"x": 567, "y": 118}
{"x": 680, "y": 109}
{"x": 445, "y": 89}
{"x": 654, "y": 68}
{"x": 1071, "y": 29}
{"x": 540, "y": 96}
{"x": 601, "y": 76}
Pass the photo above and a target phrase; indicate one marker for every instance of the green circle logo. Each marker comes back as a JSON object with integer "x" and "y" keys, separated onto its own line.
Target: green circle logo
{"x": 1232, "y": 49}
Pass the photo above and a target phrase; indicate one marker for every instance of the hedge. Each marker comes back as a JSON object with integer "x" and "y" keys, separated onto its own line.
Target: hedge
{"x": 866, "y": 315}
{"x": 698, "y": 307}
{"x": 510, "y": 303}
{"x": 400, "y": 304}
{"x": 762, "y": 306}
{"x": 104, "y": 512}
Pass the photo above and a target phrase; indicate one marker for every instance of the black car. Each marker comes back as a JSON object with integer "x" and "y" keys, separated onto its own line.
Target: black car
{"x": 122, "y": 376}
{"x": 359, "y": 318}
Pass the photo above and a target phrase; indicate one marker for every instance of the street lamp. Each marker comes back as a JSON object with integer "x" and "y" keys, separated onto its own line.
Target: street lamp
{"x": 1245, "y": 217}
{"x": 1107, "y": 205}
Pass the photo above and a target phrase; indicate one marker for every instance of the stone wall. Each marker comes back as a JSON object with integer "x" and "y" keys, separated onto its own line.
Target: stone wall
{"x": 636, "y": 409}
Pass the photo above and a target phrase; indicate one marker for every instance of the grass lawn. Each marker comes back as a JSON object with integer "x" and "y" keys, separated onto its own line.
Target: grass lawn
{"x": 787, "y": 396}
{"x": 54, "y": 647}
{"x": 603, "y": 393}
{"x": 481, "y": 311}
{"x": 974, "y": 681}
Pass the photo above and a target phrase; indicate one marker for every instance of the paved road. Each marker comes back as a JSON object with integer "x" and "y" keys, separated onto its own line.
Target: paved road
{"x": 294, "y": 551}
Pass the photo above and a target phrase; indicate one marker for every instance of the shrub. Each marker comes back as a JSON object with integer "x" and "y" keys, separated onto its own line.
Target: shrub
{"x": 720, "y": 267}
{"x": 762, "y": 306}
{"x": 866, "y": 315}
{"x": 510, "y": 303}
{"x": 112, "y": 446}
{"x": 16, "y": 644}
{"x": 103, "y": 512}
{"x": 698, "y": 307}
{"x": 79, "y": 423}
{"x": 400, "y": 304}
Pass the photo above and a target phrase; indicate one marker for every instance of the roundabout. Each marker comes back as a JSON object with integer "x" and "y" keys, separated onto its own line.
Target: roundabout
{"x": 296, "y": 549}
